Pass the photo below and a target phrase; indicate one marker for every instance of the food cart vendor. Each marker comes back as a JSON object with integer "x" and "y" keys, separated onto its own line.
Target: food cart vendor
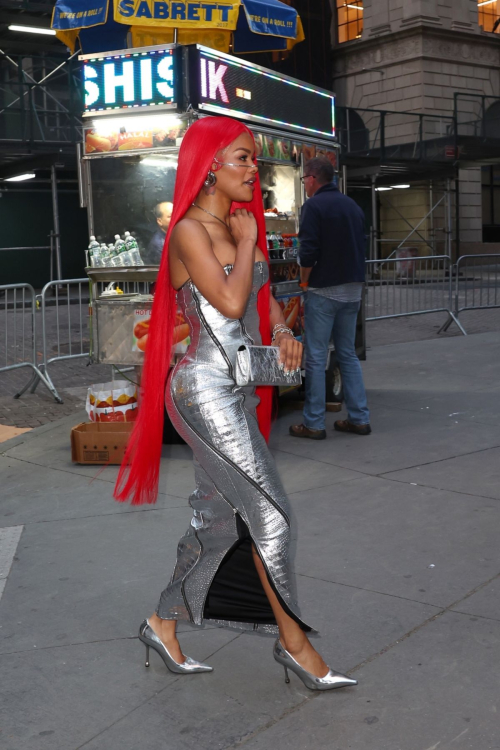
{"x": 163, "y": 213}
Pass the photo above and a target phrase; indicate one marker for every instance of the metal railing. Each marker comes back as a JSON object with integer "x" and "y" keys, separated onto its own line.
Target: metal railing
{"x": 400, "y": 287}
{"x": 476, "y": 285}
{"x": 477, "y": 115}
{"x": 66, "y": 334}
{"x": 396, "y": 287}
{"x": 66, "y": 326}
{"x": 18, "y": 345}
{"x": 389, "y": 135}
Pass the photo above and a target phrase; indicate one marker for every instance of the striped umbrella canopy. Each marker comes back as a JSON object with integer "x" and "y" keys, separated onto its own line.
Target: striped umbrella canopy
{"x": 238, "y": 26}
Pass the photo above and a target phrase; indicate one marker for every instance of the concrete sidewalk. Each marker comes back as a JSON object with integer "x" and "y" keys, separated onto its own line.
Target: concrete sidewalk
{"x": 398, "y": 565}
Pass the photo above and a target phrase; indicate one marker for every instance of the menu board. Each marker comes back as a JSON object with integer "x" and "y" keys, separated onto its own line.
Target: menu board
{"x": 120, "y": 137}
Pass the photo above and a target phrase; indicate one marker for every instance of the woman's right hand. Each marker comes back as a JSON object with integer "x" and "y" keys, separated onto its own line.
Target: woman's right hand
{"x": 243, "y": 226}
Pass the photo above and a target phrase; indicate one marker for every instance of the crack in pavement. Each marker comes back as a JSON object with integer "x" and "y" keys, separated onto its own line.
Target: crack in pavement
{"x": 96, "y": 478}
{"x": 158, "y": 692}
{"x": 433, "y": 487}
{"x": 106, "y": 515}
{"x": 396, "y": 596}
{"x": 361, "y": 664}
{"x": 99, "y": 640}
{"x": 381, "y": 474}
{"x": 369, "y": 591}
{"x": 414, "y": 630}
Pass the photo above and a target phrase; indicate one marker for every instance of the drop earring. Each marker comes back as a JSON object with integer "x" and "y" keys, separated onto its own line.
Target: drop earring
{"x": 209, "y": 184}
{"x": 211, "y": 179}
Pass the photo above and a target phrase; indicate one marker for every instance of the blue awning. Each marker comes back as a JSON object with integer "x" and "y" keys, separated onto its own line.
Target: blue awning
{"x": 79, "y": 14}
{"x": 253, "y": 25}
{"x": 270, "y": 17}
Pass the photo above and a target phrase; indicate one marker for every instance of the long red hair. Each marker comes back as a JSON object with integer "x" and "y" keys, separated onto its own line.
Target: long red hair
{"x": 139, "y": 472}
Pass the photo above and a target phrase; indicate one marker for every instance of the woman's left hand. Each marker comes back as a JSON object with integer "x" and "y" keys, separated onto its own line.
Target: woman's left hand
{"x": 290, "y": 351}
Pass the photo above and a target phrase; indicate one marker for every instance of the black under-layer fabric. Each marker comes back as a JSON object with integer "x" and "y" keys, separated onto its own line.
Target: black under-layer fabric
{"x": 236, "y": 593}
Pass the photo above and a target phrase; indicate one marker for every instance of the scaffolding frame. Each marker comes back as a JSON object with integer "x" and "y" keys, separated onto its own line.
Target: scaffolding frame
{"x": 45, "y": 111}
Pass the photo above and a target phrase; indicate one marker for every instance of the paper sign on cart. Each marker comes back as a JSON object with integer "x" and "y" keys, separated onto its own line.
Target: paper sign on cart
{"x": 141, "y": 321}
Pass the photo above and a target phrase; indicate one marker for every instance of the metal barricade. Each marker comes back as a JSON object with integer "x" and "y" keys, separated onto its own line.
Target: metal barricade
{"x": 66, "y": 329}
{"x": 399, "y": 287}
{"x": 18, "y": 341}
{"x": 65, "y": 325}
{"x": 477, "y": 285}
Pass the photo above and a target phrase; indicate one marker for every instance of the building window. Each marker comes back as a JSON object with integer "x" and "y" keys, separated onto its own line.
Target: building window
{"x": 489, "y": 14}
{"x": 491, "y": 203}
{"x": 349, "y": 19}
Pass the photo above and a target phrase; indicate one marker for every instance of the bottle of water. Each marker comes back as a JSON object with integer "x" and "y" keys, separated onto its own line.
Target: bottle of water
{"x": 121, "y": 252}
{"x": 115, "y": 259}
{"x": 95, "y": 257}
{"x": 133, "y": 249}
{"x": 93, "y": 254}
{"x": 105, "y": 256}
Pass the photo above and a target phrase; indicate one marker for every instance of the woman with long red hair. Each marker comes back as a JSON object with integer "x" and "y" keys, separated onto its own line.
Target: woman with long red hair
{"x": 233, "y": 563}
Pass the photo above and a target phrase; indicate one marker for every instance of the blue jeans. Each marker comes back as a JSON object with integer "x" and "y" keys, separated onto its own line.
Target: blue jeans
{"x": 324, "y": 317}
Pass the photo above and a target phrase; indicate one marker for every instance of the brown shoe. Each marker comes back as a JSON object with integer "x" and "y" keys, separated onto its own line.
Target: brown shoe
{"x": 300, "y": 430}
{"x": 343, "y": 425}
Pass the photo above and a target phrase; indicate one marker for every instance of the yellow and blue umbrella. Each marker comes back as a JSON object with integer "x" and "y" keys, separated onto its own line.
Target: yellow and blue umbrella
{"x": 240, "y": 26}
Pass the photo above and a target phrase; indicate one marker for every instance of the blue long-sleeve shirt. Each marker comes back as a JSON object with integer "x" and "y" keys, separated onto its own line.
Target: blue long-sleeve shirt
{"x": 332, "y": 238}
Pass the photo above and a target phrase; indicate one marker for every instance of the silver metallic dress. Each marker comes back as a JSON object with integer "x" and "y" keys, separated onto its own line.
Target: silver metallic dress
{"x": 239, "y": 498}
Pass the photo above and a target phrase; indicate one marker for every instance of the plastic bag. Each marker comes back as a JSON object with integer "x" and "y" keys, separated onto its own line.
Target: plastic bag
{"x": 112, "y": 402}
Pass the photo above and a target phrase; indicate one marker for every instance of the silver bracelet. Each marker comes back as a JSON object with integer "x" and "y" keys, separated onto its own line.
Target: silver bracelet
{"x": 281, "y": 328}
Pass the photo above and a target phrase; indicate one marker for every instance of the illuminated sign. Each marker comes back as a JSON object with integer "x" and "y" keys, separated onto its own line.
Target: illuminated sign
{"x": 135, "y": 80}
{"x": 151, "y": 79}
{"x": 230, "y": 86}
{"x": 187, "y": 14}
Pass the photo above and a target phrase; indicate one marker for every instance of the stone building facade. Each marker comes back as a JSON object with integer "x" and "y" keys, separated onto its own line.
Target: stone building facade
{"x": 412, "y": 56}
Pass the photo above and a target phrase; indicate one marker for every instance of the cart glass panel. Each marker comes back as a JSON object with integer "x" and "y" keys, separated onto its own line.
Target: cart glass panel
{"x": 134, "y": 193}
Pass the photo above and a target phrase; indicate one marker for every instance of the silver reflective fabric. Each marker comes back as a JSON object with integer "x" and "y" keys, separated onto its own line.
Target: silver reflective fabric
{"x": 234, "y": 470}
{"x": 260, "y": 365}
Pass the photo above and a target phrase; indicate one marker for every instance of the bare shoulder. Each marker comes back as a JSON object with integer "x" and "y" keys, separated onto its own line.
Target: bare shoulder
{"x": 190, "y": 239}
{"x": 187, "y": 229}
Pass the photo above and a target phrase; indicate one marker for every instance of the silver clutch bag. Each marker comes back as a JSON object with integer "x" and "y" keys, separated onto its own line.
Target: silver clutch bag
{"x": 260, "y": 365}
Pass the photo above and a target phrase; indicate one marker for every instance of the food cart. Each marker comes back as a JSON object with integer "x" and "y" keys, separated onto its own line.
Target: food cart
{"x": 138, "y": 105}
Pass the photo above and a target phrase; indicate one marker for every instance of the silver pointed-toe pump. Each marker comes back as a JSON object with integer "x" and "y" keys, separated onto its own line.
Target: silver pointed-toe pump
{"x": 148, "y": 636}
{"x": 330, "y": 681}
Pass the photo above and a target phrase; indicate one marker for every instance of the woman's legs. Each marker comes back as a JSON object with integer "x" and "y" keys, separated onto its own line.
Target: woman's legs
{"x": 165, "y": 630}
{"x": 292, "y": 636}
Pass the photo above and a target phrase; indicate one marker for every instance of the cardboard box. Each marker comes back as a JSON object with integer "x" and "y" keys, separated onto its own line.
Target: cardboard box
{"x": 100, "y": 442}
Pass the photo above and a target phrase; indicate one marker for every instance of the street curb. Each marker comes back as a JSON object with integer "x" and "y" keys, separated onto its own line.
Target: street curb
{"x": 70, "y": 420}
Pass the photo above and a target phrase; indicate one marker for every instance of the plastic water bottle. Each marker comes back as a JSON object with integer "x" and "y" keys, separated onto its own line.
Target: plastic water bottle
{"x": 114, "y": 257}
{"x": 93, "y": 252}
{"x": 133, "y": 249}
{"x": 121, "y": 252}
{"x": 104, "y": 254}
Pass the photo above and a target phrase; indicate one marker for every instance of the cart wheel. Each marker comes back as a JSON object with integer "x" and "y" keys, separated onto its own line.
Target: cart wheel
{"x": 333, "y": 381}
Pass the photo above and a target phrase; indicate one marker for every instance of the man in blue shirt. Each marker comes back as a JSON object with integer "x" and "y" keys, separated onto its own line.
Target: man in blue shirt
{"x": 332, "y": 260}
{"x": 162, "y": 213}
